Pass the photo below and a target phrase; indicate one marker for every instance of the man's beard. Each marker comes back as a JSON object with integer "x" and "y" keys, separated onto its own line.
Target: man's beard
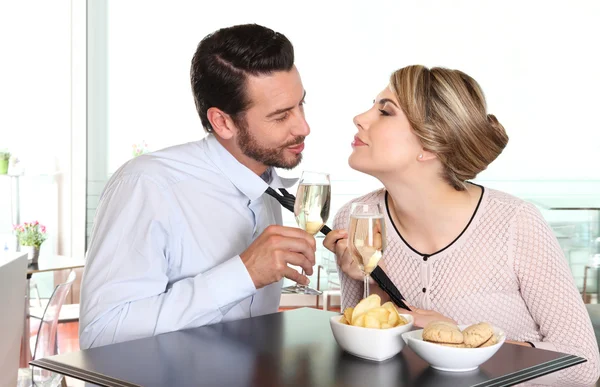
{"x": 267, "y": 156}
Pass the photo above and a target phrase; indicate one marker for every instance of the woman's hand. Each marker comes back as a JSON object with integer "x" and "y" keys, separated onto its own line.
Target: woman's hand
{"x": 337, "y": 242}
{"x": 423, "y": 317}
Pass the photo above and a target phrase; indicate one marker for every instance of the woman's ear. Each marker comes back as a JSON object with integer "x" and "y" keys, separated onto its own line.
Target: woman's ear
{"x": 426, "y": 155}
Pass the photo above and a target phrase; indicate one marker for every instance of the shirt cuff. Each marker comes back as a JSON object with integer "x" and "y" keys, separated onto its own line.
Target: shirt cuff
{"x": 229, "y": 282}
{"x": 550, "y": 379}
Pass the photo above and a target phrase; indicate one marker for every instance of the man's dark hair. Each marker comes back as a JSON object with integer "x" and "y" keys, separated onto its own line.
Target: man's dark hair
{"x": 223, "y": 60}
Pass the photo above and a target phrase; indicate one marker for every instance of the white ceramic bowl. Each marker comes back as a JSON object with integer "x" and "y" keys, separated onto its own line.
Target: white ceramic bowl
{"x": 452, "y": 359}
{"x": 368, "y": 343}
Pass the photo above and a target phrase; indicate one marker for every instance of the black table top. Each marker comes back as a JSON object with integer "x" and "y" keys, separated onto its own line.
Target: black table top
{"x": 294, "y": 348}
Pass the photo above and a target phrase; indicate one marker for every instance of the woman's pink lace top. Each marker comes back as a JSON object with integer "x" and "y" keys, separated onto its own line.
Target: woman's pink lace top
{"x": 506, "y": 268}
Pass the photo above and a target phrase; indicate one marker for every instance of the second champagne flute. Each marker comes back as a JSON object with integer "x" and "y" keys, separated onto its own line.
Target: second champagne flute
{"x": 366, "y": 238}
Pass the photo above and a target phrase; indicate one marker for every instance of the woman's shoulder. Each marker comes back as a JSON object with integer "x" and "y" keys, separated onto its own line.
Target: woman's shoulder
{"x": 509, "y": 206}
{"x": 342, "y": 215}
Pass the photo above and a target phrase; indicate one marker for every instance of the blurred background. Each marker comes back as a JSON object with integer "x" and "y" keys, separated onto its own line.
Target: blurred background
{"x": 87, "y": 85}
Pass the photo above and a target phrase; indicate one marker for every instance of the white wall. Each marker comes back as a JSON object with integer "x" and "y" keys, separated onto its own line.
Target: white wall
{"x": 535, "y": 60}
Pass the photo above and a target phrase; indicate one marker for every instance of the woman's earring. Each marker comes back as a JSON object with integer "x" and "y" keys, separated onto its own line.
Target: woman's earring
{"x": 420, "y": 156}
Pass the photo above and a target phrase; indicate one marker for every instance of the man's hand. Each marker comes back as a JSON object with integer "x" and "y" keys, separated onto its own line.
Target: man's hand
{"x": 268, "y": 257}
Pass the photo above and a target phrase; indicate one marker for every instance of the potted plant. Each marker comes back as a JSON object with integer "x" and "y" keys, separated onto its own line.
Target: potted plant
{"x": 31, "y": 236}
{"x": 4, "y": 158}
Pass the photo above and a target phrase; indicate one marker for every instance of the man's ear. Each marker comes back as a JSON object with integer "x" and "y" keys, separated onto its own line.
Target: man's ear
{"x": 221, "y": 123}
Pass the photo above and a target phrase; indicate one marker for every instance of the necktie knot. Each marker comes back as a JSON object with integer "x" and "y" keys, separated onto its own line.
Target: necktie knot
{"x": 286, "y": 200}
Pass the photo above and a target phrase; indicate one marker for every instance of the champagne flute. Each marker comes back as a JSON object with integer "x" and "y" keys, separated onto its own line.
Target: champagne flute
{"x": 311, "y": 209}
{"x": 366, "y": 238}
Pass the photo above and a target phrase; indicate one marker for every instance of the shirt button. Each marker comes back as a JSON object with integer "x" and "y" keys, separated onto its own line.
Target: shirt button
{"x": 424, "y": 290}
{"x": 425, "y": 258}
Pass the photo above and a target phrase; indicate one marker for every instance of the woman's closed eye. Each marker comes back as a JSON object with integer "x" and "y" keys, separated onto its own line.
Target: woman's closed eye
{"x": 384, "y": 113}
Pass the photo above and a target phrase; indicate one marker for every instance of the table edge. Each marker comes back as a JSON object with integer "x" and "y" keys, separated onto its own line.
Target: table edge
{"x": 530, "y": 373}
{"x": 512, "y": 378}
{"x": 85, "y": 375}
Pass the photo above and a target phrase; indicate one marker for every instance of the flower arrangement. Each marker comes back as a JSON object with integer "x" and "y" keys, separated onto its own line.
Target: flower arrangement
{"x": 140, "y": 149}
{"x": 31, "y": 234}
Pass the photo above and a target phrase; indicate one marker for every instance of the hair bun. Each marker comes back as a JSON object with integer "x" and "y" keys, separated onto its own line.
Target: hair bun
{"x": 495, "y": 124}
{"x": 501, "y": 138}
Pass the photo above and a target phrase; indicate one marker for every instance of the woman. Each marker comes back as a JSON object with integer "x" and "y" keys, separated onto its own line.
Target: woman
{"x": 456, "y": 250}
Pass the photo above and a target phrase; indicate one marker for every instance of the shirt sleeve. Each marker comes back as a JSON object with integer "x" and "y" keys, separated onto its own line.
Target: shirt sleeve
{"x": 548, "y": 288}
{"x": 126, "y": 292}
{"x": 351, "y": 289}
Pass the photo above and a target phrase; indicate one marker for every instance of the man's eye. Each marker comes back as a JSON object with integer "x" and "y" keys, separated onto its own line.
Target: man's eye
{"x": 283, "y": 117}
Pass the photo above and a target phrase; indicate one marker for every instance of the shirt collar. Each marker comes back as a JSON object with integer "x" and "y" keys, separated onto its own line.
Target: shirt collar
{"x": 246, "y": 181}
{"x": 276, "y": 181}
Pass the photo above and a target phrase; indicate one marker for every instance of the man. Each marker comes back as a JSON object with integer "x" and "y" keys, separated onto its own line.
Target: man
{"x": 186, "y": 236}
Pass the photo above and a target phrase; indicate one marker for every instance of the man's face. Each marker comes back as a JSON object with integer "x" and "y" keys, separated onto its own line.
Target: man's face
{"x": 273, "y": 128}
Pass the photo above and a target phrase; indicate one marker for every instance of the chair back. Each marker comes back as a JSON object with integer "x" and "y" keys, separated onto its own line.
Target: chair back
{"x": 46, "y": 341}
{"x": 328, "y": 262}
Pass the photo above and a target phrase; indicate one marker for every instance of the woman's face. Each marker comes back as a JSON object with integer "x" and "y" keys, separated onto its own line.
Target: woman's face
{"x": 385, "y": 142}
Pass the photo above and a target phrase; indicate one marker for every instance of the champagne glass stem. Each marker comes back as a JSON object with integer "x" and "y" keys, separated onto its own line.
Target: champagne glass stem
{"x": 299, "y": 284}
{"x": 366, "y": 286}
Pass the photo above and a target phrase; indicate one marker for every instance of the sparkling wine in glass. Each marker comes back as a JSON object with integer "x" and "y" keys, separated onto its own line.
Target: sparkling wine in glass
{"x": 311, "y": 209}
{"x": 366, "y": 238}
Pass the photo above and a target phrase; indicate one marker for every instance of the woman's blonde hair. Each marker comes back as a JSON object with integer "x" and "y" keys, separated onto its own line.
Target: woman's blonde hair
{"x": 447, "y": 111}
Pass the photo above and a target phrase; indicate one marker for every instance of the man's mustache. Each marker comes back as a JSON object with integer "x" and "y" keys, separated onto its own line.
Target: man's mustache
{"x": 297, "y": 141}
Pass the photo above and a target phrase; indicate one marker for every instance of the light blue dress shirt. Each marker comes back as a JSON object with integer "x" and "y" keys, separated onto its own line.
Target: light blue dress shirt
{"x": 164, "y": 250}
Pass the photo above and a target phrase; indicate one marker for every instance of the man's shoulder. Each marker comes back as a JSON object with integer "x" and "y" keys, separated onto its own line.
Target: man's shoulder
{"x": 171, "y": 166}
